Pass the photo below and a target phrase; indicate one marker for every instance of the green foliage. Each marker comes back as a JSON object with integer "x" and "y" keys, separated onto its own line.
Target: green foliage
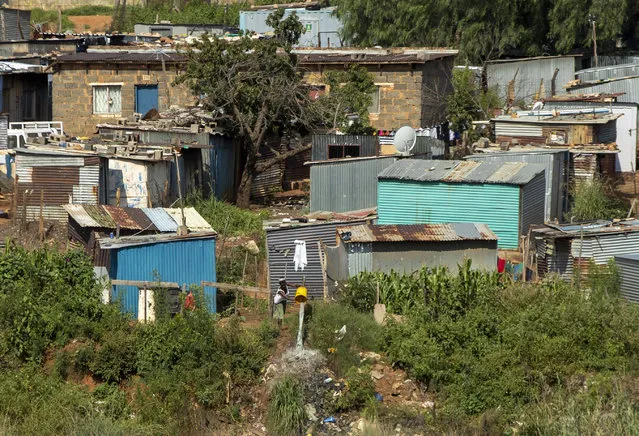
{"x": 590, "y": 201}
{"x": 359, "y": 391}
{"x": 486, "y": 30}
{"x": 349, "y": 92}
{"x": 434, "y": 290}
{"x": 40, "y": 16}
{"x": 286, "y": 414}
{"x": 47, "y": 298}
{"x": 362, "y": 333}
{"x": 178, "y": 366}
{"x": 469, "y": 102}
{"x": 503, "y": 351}
{"x": 227, "y": 219}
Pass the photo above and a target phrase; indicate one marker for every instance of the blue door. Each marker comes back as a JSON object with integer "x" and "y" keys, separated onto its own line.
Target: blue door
{"x": 146, "y": 98}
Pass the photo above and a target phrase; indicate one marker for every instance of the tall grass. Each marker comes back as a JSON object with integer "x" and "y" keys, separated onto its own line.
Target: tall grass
{"x": 591, "y": 201}
{"x": 286, "y": 414}
{"x": 225, "y": 218}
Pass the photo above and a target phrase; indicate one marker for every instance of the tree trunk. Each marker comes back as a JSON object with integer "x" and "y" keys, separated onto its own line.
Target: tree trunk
{"x": 246, "y": 181}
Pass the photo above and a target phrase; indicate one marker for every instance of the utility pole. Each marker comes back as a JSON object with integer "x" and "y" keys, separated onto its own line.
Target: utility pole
{"x": 593, "y": 21}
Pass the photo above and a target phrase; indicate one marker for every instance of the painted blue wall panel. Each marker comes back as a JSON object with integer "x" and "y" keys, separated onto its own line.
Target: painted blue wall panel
{"x": 185, "y": 262}
{"x": 223, "y": 164}
{"x": 146, "y": 98}
{"x": 412, "y": 202}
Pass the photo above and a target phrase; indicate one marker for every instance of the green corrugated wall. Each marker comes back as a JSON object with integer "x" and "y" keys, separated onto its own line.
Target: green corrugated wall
{"x": 412, "y": 202}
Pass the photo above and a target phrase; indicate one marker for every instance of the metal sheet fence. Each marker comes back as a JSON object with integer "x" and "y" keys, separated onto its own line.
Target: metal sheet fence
{"x": 368, "y": 144}
{"x": 629, "y": 274}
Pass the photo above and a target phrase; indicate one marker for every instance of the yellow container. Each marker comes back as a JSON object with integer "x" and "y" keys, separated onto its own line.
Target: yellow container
{"x": 300, "y": 295}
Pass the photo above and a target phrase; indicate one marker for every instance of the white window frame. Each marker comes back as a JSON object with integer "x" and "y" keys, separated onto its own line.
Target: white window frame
{"x": 108, "y": 86}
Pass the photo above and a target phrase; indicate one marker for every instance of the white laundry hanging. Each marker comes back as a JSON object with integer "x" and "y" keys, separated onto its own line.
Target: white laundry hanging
{"x": 300, "y": 255}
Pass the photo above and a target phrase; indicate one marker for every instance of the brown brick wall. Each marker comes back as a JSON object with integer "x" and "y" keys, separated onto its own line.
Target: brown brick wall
{"x": 412, "y": 95}
{"x": 73, "y": 93}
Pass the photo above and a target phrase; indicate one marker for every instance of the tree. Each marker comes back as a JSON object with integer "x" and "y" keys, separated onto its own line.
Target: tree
{"x": 468, "y": 102}
{"x": 349, "y": 93}
{"x": 254, "y": 88}
{"x": 485, "y": 30}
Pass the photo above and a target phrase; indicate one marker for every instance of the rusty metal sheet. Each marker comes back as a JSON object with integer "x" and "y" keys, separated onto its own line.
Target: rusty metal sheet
{"x": 141, "y": 219}
{"x": 416, "y": 232}
{"x": 122, "y": 218}
{"x": 461, "y": 171}
{"x": 100, "y": 216}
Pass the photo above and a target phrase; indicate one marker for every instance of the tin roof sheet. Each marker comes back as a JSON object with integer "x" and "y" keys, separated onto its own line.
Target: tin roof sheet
{"x": 511, "y": 173}
{"x": 416, "y": 232}
{"x": 586, "y": 229}
{"x": 129, "y": 241}
{"x": 146, "y": 219}
{"x": 194, "y": 220}
{"x": 162, "y": 220}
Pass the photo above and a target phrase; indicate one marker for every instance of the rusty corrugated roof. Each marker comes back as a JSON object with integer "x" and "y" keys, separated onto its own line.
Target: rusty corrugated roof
{"x": 154, "y": 220}
{"x": 417, "y": 233}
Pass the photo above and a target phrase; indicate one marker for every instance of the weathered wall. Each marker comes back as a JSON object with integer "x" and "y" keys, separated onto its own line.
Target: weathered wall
{"x": 25, "y": 97}
{"x": 73, "y": 93}
{"x": 412, "y": 95}
{"x": 407, "y": 257}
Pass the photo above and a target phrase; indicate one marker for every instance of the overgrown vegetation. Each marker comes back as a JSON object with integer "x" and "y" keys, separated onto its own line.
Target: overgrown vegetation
{"x": 468, "y": 102}
{"x": 177, "y": 374}
{"x": 508, "y": 353}
{"x": 591, "y": 201}
{"x": 225, "y": 218}
{"x": 286, "y": 414}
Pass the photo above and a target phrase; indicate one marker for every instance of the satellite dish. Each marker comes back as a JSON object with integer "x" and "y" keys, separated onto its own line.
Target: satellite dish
{"x": 404, "y": 140}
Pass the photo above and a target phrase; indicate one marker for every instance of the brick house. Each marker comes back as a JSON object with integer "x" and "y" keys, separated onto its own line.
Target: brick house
{"x": 94, "y": 88}
{"x": 412, "y": 83}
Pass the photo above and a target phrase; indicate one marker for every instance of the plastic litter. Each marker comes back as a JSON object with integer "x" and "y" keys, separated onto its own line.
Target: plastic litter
{"x": 379, "y": 396}
{"x": 330, "y": 419}
{"x": 328, "y": 380}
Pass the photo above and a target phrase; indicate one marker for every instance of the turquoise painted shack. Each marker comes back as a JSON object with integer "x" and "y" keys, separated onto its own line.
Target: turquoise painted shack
{"x": 185, "y": 260}
{"x": 508, "y": 197}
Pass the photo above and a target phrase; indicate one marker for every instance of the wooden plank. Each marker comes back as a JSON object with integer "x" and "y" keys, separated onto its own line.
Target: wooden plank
{"x": 227, "y": 286}
{"x": 142, "y": 284}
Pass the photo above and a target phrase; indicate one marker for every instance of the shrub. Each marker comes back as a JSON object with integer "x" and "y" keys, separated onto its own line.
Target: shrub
{"x": 504, "y": 352}
{"x": 286, "y": 414}
{"x": 360, "y": 389}
{"x": 115, "y": 358}
{"x": 362, "y": 333}
{"x": 590, "y": 201}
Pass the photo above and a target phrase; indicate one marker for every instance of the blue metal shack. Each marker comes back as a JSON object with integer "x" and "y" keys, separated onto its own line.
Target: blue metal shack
{"x": 508, "y": 197}
{"x": 186, "y": 260}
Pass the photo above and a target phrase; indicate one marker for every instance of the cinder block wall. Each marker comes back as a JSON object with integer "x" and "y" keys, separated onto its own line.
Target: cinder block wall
{"x": 413, "y": 95}
{"x": 72, "y": 92}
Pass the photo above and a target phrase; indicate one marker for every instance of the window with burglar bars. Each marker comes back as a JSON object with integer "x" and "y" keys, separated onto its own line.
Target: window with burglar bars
{"x": 107, "y": 99}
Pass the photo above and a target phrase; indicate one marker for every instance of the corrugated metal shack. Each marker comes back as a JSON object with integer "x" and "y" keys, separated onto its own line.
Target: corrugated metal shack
{"x": 558, "y": 249}
{"x": 342, "y": 185}
{"x": 182, "y": 30}
{"x": 608, "y": 72}
{"x": 57, "y": 178}
{"x": 211, "y": 162}
{"x": 15, "y": 24}
{"x": 626, "y": 138}
{"x": 141, "y": 182}
{"x": 529, "y": 73}
{"x": 627, "y": 86}
{"x": 185, "y": 260}
{"x": 409, "y": 247}
{"x": 281, "y": 248}
{"x": 89, "y": 223}
{"x": 556, "y": 163}
{"x": 326, "y": 147}
{"x": 569, "y": 128}
{"x": 629, "y": 273}
{"x": 508, "y": 197}
{"x": 321, "y": 27}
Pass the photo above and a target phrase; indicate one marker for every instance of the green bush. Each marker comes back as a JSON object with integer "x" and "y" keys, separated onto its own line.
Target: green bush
{"x": 115, "y": 357}
{"x": 503, "y": 352}
{"x": 590, "y": 201}
{"x": 359, "y": 391}
{"x": 286, "y": 414}
{"x": 362, "y": 334}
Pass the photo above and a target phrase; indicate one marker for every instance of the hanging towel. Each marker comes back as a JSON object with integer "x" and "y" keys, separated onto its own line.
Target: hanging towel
{"x": 300, "y": 255}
